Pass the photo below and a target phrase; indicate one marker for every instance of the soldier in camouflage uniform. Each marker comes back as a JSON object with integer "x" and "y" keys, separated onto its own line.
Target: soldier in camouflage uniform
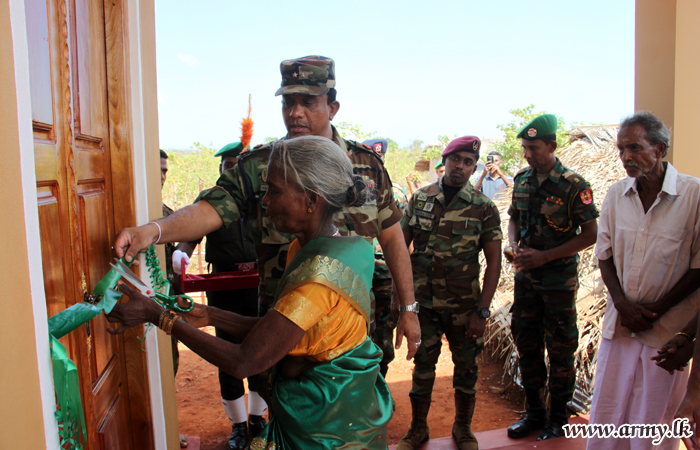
{"x": 308, "y": 106}
{"x": 550, "y": 204}
{"x": 382, "y": 330}
{"x": 449, "y": 223}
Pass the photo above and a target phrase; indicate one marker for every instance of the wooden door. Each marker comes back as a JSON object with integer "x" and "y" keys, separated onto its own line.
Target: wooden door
{"x": 77, "y": 79}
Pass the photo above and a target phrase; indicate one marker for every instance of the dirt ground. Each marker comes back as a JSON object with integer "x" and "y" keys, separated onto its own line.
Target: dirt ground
{"x": 200, "y": 412}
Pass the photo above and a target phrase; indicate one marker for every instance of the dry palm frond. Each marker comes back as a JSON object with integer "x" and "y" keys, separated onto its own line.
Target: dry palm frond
{"x": 594, "y": 156}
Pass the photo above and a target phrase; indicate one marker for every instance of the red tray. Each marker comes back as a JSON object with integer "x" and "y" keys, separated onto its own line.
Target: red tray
{"x": 222, "y": 281}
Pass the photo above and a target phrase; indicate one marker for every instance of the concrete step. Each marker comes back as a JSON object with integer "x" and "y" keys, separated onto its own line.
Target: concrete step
{"x": 498, "y": 439}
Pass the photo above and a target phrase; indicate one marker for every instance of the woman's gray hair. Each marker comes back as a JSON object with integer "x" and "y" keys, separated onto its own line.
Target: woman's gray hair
{"x": 317, "y": 164}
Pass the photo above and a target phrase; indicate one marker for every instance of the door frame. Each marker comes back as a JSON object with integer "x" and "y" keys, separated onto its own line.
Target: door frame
{"x": 138, "y": 132}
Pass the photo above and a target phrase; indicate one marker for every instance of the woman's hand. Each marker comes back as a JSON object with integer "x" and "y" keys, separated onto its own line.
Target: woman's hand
{"x": 138, "y": 310}
{"x": 198, "y": 316}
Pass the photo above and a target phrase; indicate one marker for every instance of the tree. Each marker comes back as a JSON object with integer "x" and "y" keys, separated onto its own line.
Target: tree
{"x": 354, "y": 131}
{"x": 511, "y": 150}
{"x": 186, "y": 171}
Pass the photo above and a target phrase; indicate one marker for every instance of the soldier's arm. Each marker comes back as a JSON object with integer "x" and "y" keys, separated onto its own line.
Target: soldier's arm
{"x": 492, "y": 254}
{"x": 582, "y": 241}
{"x": 186, "y": 224}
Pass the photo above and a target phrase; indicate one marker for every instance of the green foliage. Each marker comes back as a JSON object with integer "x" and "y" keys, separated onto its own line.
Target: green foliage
{"x": 186, "y": 171}
{"x": 354, "y": 132}
{"x": 511, "y": 150}
{"x": 270, "y": 139}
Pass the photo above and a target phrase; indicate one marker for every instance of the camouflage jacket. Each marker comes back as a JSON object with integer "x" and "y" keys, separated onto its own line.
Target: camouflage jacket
{"x": 239, "y": 193}
{"x": 381, "y": 271}
{"x": 447, "y": 240}
{"x": 552, "y": 213}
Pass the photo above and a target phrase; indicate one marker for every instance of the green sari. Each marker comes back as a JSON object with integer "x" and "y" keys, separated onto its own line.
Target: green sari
{"x": 342, "y": 403}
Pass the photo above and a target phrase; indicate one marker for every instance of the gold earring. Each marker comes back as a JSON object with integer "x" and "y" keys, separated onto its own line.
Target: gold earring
{"x": 309, "y": 210}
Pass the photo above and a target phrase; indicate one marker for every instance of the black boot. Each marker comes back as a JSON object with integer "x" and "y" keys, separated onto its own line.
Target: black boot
{"x": 534, "y": 419}
{"x": 238, "y": 437}
{"x": 557, "y": 419}
{"x": 419, "y": 431}
{"x": 256, "y": 424}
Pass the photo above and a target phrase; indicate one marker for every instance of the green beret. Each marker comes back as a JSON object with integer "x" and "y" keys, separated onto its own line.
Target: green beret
{"x": 539, "y": 127}
{"x": 232, "y": 149}
{"x": 438, "y": 165}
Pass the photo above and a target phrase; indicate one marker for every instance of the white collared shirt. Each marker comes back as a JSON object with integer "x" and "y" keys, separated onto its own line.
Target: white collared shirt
{"x": 651, "y": 251}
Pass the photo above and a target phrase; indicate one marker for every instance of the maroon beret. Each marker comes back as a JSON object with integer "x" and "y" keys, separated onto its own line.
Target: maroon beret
{"x": 470, "y": 144}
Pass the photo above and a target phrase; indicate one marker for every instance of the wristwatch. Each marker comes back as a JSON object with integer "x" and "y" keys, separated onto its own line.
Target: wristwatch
{"x": 484, "y": 313}
{"x": 410, "y": 308}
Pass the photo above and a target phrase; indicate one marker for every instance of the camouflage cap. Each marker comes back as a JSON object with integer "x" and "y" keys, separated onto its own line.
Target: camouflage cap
{"x": 312, "y": 75}
{"x": 539, "y": 127}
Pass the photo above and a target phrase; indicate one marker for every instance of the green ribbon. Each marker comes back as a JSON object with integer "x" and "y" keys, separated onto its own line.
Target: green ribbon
{"x": 69, "y": 408}
{"x": 69, "y": 413}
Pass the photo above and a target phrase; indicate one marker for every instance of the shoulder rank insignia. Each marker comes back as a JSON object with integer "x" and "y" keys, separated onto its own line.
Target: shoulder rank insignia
{"x": 586, "y": 197}
{"x": 556, "y": 200}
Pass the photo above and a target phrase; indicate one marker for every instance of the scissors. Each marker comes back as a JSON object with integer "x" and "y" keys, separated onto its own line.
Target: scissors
{"x": 166, "y": 301}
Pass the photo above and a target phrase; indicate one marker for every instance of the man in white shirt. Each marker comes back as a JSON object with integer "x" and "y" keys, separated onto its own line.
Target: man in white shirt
{"x": 649, "y": 251}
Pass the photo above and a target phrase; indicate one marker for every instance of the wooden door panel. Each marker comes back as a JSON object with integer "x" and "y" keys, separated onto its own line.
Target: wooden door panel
{"x": 40, "y": 82}
{"x": 89, "y": 69}
{"x": 90, "y": 162}
{"x": 112, "y": 432}
{"x": 52, "y": 249}
{"x": 96, "y": 224}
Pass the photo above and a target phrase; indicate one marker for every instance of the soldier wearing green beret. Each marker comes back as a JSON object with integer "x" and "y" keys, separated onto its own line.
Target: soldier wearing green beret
{"x": 449, "y": 223}
{"x": 439, "y": 169}
{"x": 550, "y": 205}
{"x": 225, "y": 249}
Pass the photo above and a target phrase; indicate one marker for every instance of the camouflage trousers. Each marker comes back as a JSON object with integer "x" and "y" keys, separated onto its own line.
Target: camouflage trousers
{"x": 382, "y": 330}
{"x": 433, "y": 325}
{"x": 543, "y": 317}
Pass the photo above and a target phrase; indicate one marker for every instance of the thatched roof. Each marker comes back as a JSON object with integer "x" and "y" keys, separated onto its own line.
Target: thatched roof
{"x": 593, "y": 154}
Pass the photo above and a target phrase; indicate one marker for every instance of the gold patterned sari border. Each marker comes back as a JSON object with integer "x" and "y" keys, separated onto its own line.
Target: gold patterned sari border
{"x": 332, "y": 286}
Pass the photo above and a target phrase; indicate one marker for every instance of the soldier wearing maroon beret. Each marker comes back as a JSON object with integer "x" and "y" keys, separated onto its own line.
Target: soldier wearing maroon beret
{"x": 450, "y": 223}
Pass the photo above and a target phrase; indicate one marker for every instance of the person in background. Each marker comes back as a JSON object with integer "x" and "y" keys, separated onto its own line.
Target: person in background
{"x": 169, "y": 249}
{"x": 649, "y": 255}
{"x": 449, "y": 223}
{"x": 382, "y": 331}
{"x": 550, "y": 204}
{"x": 225, "y": 249}
{"x": 439, "y": 169}
{"x": 492, "y": 181}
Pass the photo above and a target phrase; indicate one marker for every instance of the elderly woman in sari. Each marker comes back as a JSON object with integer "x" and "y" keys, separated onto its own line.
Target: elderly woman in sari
{"x": 326, "y": 391}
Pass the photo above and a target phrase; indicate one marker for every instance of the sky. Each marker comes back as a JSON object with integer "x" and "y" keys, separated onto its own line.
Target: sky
{"x": 404, "y": 69}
